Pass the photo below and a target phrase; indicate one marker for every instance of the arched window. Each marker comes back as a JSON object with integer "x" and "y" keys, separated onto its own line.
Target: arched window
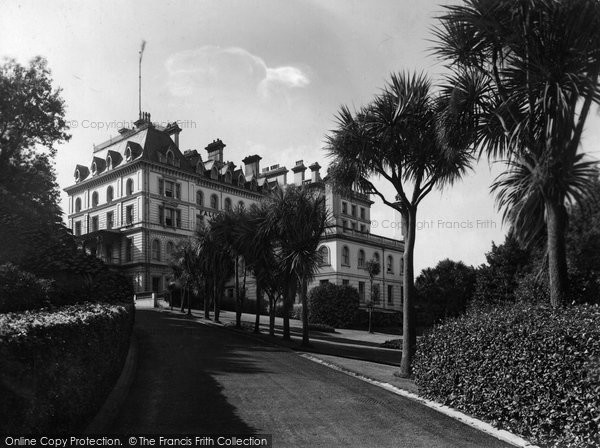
{"x": 324, "y": 256}
{"x": 345, "y": 256}
{"x": 200, "y": 198}
{"x": 129, "y": 186}
{"x": 228, "y": 177}
{"x": 241, "y": 180}
{"x": 361, "y": 258}
{"x": 109, "y": 164}
{"x": 94, "y": 198}
{"x": 77, "y": 205}
{"x": 214, "y": 174}
{"x": 170, "y": 157}
{"x": 109, "y": 194}
{"x": 156, "y": 250}
{"x": 390, "y": 264}
{"x": 241, "y": 205}
{"x": 376, "y": 257}
{"x": 170, "y": 249}
{"x": 128, "y": 154}
{"x": 94, "y": 168}
{"x": 227, "y": 204}
{"x": 214, "y": 202}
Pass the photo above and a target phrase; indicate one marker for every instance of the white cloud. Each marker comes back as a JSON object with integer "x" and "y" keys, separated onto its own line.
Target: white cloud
{"x": 229, "y": 72}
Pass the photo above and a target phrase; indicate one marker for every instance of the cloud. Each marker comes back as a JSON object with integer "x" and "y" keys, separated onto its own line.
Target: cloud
{"x": 229, "y": 72}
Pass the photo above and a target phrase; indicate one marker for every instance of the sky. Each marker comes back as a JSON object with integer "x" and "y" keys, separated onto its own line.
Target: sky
{"x": 265, "y": 76}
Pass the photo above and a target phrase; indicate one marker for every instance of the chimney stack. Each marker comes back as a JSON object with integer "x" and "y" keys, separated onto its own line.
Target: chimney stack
{"x": 252, "y": 165}
{"x": 215, "y": 150}
{"x": 299, "y": 170}
{"x": 173, "y": 130}
{"x": 315, "y": 175}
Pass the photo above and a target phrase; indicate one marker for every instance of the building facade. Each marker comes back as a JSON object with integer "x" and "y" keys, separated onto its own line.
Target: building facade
{"x": 139, "y": 196}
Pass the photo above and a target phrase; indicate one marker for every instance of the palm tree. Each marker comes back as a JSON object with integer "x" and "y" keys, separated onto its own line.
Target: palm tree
{"x": 525, "y": 75}
{"x": 184, "y": 264}
{"x": 297, "y": 216}
{"x": 396, "y": 137}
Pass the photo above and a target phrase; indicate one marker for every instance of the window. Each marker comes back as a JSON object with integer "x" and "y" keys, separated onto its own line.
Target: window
{"x": 390, "y": 298}
{"x": 200, "y": 198}
{"x": 362, "y": 213}
{"x": 94, "y": 198}
{"x": 128, "y": 249}
{"x": 362, "y": 228}
{"x": 227, "y": 204}
{"x": 128, "y": 154}
{"x": 214, "y": 202}
{"x": 170, "y": 249}
{"x": 390, "y": 264}
{"x": 344, "y": 208}
{"x": 170, "y": 217}
{"x": 156, "y": 250}
{"x": 361, "y": 258}
{"x": 401, "y": 265}
{"x": 129, "y": 186}
{"x": 375, "y": 293}
{"x": 199, "y": 222}
{"x": 345, "y": 282}
{"x": 354, "y": 210}
{"x": 108, "y": 251}
{"x": 109, "y": 194}
{"x": 94, "y": 223}
{"x": 344, "y": 225}
{"x": 346, "y": 256}
{"x": 376, "y": 257}
{"x": 78, "y": 228}
{"x": 361, "y": 291}
{"x": 353, "y": 224}
{"x": 228, "y": 177}
{"x": 241, "y": 205}
{"x": 77, "y": 205}
{"x": 214, "y": 174}
{"x": 324, "y": 256}
{"x": 170, "y": 189}
{"x": 170, "y": 158}
{"x": 110, "y": 220}
{"x": 129, "y": 215}
{"x": 109, "y": 163}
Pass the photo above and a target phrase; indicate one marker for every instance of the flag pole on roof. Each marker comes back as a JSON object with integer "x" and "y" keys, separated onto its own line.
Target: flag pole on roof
{"x": 140, "y": 78}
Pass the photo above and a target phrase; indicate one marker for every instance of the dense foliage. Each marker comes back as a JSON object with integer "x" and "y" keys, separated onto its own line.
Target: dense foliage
{"x": 527, "y": 368}
{"x": 20, "y": 290}
{"x": 334, "y": 305}
{"x": 443, "y": 291}
{"x": 58, "y": 367}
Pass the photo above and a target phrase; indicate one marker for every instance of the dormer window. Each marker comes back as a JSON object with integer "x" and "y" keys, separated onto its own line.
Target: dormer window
{"x": 109, "y": 163}
{"x": 128, "y": 154}
{"x": 241, "y": 180}
{"x": 170, "y": 158}
{"x": 200, "y": 167}
{"x": 77, "y": 176}
{"x": 228, "y": 177}
{"x": 94, "y": 169}
{"x": 214, "y": 174}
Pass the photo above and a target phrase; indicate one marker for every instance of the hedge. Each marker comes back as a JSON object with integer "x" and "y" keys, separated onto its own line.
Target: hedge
{"x": 530, "y": 369}
{"x": 57, "y": 368}
{"x": 334, "y": 305}
{"x": 20, "y": 290}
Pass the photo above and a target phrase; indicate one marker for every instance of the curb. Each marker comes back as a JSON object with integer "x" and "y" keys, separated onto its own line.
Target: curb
{"x": 482, "y": 426}
{"x": 110, "y": 409}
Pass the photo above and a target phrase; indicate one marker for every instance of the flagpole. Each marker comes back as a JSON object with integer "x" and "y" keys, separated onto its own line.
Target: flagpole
{"x": 140, "y": 79}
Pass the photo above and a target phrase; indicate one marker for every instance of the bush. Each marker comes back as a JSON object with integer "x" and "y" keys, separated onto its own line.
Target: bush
{"x": 333, "y": 305}
{"x": 58, "y": 367}
{"x": 530, "y": 369}
{"x": 20, "y": 290}
{"x": 323, "y": 328}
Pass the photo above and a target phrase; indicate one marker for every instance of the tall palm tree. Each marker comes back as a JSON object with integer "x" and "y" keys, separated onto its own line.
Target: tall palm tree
{"x": 184, "y": 264}
{"x": 525, "y": 75}
{"x": 396, "y": 137}
{"x": 297, "y": 216}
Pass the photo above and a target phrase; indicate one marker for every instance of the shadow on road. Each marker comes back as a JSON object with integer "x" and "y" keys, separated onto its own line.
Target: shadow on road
{"x": 175, "y": 390}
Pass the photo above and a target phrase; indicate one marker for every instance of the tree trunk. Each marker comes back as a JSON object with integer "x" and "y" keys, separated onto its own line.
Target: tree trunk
{"x": 189, "y": 303}
{"x": 216, "y": 310}
{"x": 408, "y": 325}
{"x": 238, "y": 303}
{"x": 303, "y": 291}
{"x": 182, "y": 298}
{"x": 207, "y": 299}
{"x": 287, "y": 301}
{"x": 258, "y": 307}
{"x": 557, "y": 254}
{"x": 272, "y": 304}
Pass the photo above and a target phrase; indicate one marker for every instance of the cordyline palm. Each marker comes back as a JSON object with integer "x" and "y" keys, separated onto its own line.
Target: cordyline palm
{"x": 525, "y": 74}
{"x": 396, "y": 137}
{"x": 185, "y": 266}
{"x": 297, "y": 216}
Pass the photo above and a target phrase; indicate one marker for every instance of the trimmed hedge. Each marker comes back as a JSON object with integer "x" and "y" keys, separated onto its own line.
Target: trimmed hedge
{"x": 530, "y": 369}
{"x": 58, "y": 367}
{"x": 333, "y": 305}
{"x": 20, "y": 290}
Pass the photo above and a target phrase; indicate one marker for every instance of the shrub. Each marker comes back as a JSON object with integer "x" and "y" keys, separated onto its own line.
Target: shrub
{"x": 20, "y": 290}
{"x": 333, "y": 305}
{"x": 58, "y": 367}
{"x": 530, "y": 369}
{"x": 323, "y": 328}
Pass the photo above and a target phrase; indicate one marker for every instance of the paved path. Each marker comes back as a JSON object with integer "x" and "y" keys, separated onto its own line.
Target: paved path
{"x": 201, "y": 379}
